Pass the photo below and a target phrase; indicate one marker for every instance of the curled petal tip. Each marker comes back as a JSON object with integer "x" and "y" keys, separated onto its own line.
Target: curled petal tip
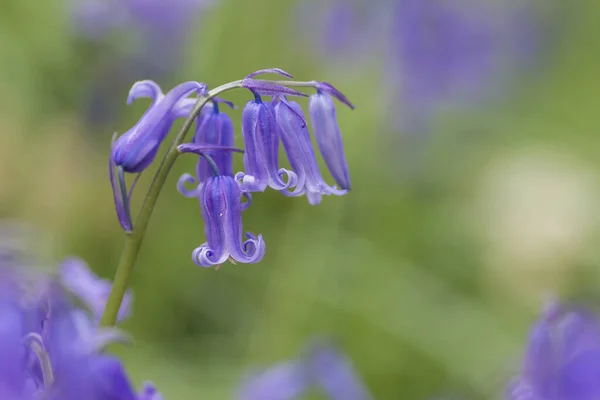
{"x": 146, "y": 88}
{"x": 277, "y": 71}
{"x": 187, "y": 179}
{"x": 328, "y": 88}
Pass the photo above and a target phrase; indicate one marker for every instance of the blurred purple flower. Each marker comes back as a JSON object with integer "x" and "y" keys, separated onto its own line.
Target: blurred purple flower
{"x": 50, "y": 349}
{"x": 335, "y": 374}
{"x": 285, "y": 381}
{"x": 76, "y": 277}
{"x": 562, "y": 359}
{"x": 322, "y": 367}
{"x": 436, "y": 53}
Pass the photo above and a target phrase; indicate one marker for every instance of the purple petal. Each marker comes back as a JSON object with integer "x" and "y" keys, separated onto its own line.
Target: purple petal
{"x": 124, "y": 217}
{"x": 146, "y": 88}
{"x": 187, "y": 179}
{"x": 287, "y": 381}
{"x": 200, "y": 149}
{"x": 335, "y": 373}
{"x": 328, "y": 88}
{"x": 220, "y": 200}
{"x": 329, "y": 138}
{"x": 266, "y": 88}
{"x": 277, "y": 71}
{"x": 81, "y": 281}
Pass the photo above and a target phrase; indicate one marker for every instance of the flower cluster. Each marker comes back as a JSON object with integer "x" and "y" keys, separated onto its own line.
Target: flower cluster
{"x": 562, "y": 360}
{"x": 51, "y": 349}
{"x": 269, "y": 119}
{"x": 322, "y": 368}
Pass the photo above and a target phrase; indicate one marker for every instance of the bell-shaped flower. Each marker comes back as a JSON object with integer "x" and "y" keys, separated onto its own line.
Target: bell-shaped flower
{"x": 562, "y": 360}
{"x": 327, "y": 132}
{"x": 220, "y": 201}
{"x": 221, "y": 206}
{"x": 298, "y": 147}
{"x": 215, "y": 128}
{"x": 77, "y": 278}
{"x": 261, "y": 155}
{"x": 135, "y": 150}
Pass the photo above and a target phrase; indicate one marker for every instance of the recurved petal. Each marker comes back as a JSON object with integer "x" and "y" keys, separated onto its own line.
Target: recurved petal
{"x": 145, "y": 88}
{"x": 188, "y": 179}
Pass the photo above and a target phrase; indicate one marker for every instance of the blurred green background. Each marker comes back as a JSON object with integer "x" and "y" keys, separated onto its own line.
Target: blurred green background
{"x": 429, "y": 283}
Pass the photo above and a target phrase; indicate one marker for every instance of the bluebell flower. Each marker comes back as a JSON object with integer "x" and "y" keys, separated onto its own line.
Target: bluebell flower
{"x": 76, "y": 277}
{"x": 261, "y": 155}
{"x": 216, "y": 128}
{"x": 562, "y": 359}
{"x": 135, "y": 150}
{"x": 327, "y": 132}
{"x": 295, "y": 137}
{"x": 221, "y": 206}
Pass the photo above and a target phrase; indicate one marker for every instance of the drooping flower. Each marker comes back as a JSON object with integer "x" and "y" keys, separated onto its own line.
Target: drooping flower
{"x": 221, "y": 206}
{"x": 327, "y": 132}
{"x": 261, "y": 155}
{"x": 213, "y": 127}
{"x": 135, "y": 150}
{"x": 76, "y": 276}
{"x": 295, "y": 137}
{"x": 562, "y": 359}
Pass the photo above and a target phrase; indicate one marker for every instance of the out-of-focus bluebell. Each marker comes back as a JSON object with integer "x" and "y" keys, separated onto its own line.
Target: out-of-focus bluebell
{"x": 295, "y": 137}
{"x": 562, "y": 359}
{"x": 285, "y": 381}
{"x": 221, "y": 206}
{"x": 51, "y": 349}
{"x": 334, "y": 373}
{"x": 437, "y": 53}
{"x": 76, "y": 277}
{"x": 322, "y": 368}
